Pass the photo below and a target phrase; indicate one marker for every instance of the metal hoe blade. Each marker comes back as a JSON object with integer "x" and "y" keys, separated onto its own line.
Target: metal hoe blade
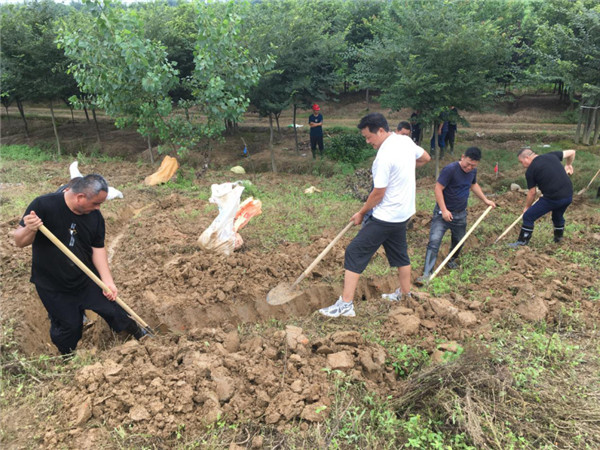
{"x": 282, "y": 293}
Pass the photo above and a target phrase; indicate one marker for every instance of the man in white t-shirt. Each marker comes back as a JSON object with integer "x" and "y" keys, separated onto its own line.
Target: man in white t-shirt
{"x": 393, "y": 203}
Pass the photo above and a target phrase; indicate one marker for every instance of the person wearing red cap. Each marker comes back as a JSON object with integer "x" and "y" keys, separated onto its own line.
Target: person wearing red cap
{"x": 315, "y": 122}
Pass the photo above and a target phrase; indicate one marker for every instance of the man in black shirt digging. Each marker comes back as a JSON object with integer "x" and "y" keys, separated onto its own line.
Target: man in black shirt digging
{"x": 548, "y": 174}
{"x": 73, "y": 216}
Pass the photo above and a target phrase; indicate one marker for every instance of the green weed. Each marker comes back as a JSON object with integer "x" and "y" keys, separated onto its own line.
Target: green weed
{"x": 27, "y": 153}
{"x": 405, "y": 360}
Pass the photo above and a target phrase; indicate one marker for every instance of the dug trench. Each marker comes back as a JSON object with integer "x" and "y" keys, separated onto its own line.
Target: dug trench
{"x": 232, "y": 355}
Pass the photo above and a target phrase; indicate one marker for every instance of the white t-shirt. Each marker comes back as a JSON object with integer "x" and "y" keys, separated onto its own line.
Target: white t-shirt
{"x": 394, "y": 170}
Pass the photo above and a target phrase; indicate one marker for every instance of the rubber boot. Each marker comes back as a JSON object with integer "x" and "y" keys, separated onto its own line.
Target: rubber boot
{"x": 524, "y": 237}
{"x": 430, "y": 258}
{"x": 558, "y": 234}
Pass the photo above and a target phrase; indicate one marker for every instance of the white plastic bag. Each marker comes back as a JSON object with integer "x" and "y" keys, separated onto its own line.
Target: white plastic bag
{"x": 220, "y": 235}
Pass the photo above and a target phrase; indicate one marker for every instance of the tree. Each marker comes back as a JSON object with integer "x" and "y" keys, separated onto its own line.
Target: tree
{"x": 567, "y": 47}
{"x": 437, "y": 54}
{"x": 123, "y": 73}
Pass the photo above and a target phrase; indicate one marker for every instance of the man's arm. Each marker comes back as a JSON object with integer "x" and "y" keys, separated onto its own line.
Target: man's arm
{"x": 100, "y": 261}
{"x": 25, "y": 236}
{"x": 568, "y": 158}
{"x": 480, "y": 195}
{"x": 530, "y": 198}
{"x": 423, "y": 159}
{"x": 373, "y": 200}
{"x": 439, "y": 198}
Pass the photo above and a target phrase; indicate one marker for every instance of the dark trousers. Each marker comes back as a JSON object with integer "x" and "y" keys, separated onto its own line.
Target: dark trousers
{"x": 450, "y": 137}
{"x": 544, "y": 206}
{"x": 314, "y": 142}
{"x": 458, "y": 228}
{"x": 66, "y": 314}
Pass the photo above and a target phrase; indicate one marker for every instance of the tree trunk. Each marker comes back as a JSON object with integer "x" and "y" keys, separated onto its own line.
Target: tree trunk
{"x": 7, "y": 116}
{"x": 587, "y": 128}
{"x": 54, "y": 127}
{"x": 97, "y": 128}
{"x": 150, "y": 150}
{"x": 436, "y": 149}
{"x": 591, "y": 125}
{"x": 22, "y": 112}
{"x": 87, "y": 117}
{"x": 367, "y": 98}
{"x": 273, "y": 165}
{"x": 597, "y": 127}
{"x": 277, "y": 121}
{"x": 296, "y": 131}
{"x": 71, "y": 109}
{"x": 579, "y": 123}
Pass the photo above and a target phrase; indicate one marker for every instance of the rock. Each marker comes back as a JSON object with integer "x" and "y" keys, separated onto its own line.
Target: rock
{"x": 314, "y": 412}
{"x": 324, "y": 350}
{"x": 533, "y": 310}
{"x": 437, "y": 356}
{"x": 296, "y": 386}
{"x": 257, "y": 442}
{"x": 232, "y": 342}
{"x": 475, "y": 305}
{"x": 466, "y": 318}
{"x": 112, "y": 371}
{"x": 407, "y": 325}
{"x": 515, "y": 187}
{"x": 84, "y": 412}
{"x": 352, "y": 338}
{"x": 429, "y": 324}
{"x": 139, "y": 413}
{"x": 340, "y": 360}
{"x": 442, "y": 307}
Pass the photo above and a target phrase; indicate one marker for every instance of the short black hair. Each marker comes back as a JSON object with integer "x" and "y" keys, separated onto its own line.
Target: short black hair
{"x": 373, "y": 121}
{"x": 90, "y": 185}
{"x": 404, "y": 125}
{"x": 473, "y": 153}
{"x": 525, "y": 152}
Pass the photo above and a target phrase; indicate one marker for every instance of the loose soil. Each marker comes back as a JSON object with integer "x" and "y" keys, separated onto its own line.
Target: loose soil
{"x": 220, "y": 359}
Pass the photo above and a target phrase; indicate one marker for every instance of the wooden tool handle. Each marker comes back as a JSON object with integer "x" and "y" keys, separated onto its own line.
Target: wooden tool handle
{"x": 455, "y": 249}
{"x": 512, "y": 225}
{"x": 322, "y": 255}
{"x": 90, "y": 274}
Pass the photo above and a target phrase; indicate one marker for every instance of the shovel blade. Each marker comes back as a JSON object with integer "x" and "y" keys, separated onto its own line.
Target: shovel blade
{"x": 282, "y": 293}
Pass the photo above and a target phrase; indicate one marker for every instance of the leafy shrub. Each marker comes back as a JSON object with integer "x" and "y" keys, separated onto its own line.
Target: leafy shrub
{"x": 405, "y": 360}
{"x": 349, "y": 148}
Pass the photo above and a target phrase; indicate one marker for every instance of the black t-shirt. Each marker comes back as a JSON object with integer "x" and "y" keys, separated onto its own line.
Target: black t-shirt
{"x": 316, "y": 131}
{"x": 51, "y": 268}
{"x": 547, "y": 173}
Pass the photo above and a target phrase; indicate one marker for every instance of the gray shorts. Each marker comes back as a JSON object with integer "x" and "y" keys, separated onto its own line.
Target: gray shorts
{"x": 371, "y": 236}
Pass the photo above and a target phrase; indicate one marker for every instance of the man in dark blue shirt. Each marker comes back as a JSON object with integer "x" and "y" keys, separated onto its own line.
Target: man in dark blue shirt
{"x": 315, "y": 122}
{"x": 548, "y": 174}
{"x": 452, "y": 189}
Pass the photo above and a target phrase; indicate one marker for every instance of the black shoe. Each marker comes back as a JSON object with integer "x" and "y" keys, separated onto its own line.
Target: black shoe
{"x": 452, "y": 264}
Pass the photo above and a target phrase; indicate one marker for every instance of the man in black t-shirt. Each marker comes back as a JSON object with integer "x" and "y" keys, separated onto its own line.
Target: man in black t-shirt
{"x": 548, "y": 174}
{"x": 73, "y": 216}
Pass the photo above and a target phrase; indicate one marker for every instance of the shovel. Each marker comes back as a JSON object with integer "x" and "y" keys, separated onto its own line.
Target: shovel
{"x": 95, "y": 279}
{"x": 455, "y": 249}
{"x": 284, "y": 292}
{"x": 589, "y": 184}
{"x": 512, "y": 225}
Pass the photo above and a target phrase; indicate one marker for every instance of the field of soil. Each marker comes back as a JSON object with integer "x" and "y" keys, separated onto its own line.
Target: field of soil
{"x": 229, "y": 356}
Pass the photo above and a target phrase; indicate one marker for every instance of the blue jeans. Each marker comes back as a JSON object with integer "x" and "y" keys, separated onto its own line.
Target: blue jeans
{"x": 458, "y": 228}
{"x": 441, "y": 142}
{"x": 544, "y": 206}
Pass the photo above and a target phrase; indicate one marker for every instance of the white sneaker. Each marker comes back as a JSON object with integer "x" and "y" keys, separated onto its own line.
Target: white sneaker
{"x": 394, "y": 296}
{"x": 339, "y": 308}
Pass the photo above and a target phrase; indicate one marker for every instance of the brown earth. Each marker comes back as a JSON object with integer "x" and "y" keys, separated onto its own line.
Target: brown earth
{"x": 218, "y": 360}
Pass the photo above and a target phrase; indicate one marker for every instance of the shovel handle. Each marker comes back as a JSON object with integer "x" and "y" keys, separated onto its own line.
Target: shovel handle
{"x": 455, "y": 249}
{"x": 322, "y": 255}
{"x": 512, "y": 225}
{"x": 91, "y": 274}
{"x": 589, "y": 184}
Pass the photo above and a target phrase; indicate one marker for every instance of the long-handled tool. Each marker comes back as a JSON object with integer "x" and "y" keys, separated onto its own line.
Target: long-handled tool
{"x": 589, "y": 184}
{"x": 284, "y": 292}
{"x": 455, "y": 249}
{"x": 512, "y": 225}
{"x": 94, "y": 277}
